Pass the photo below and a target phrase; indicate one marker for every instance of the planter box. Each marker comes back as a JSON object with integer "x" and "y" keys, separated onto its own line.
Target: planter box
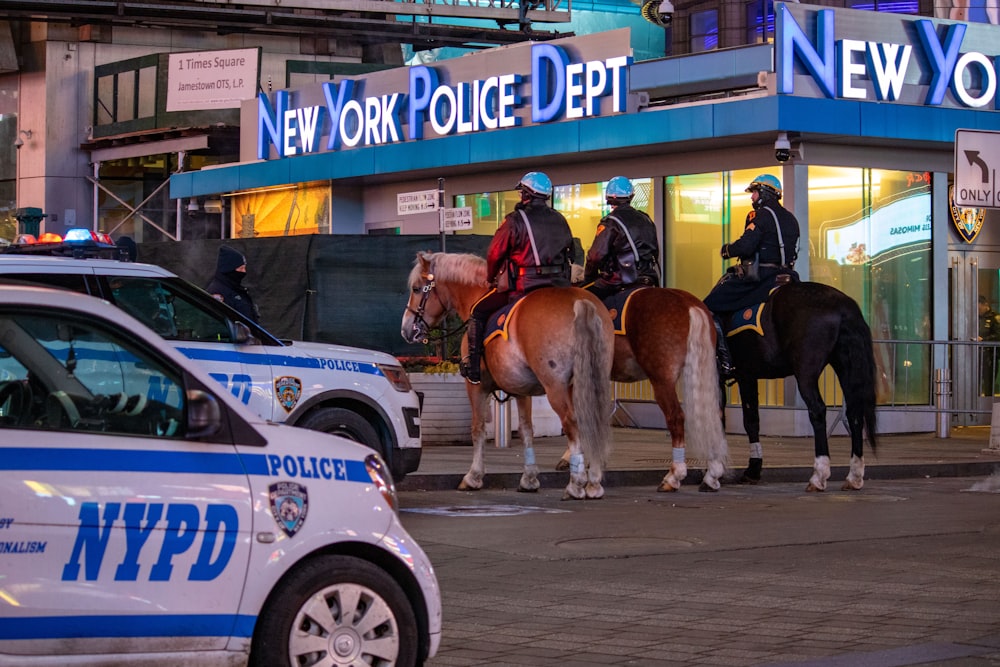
{"x": 447, "y": 418}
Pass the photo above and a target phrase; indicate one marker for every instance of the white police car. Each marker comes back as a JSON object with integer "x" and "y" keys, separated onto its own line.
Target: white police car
{"x": 360, "y": 394}
{"x": 180, "y": 528}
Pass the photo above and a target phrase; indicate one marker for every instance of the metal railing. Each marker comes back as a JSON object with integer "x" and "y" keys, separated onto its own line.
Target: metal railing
{"x": 946, "y": 377}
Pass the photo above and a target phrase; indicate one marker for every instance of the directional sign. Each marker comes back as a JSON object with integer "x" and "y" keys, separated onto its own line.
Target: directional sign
{"x": 977, "y": 163}
{"x": 416, "y": 202}
{"x": 457, "y": 218}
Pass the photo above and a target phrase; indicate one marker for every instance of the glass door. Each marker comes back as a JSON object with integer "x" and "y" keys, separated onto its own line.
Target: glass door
{"x": 974, "y": 279}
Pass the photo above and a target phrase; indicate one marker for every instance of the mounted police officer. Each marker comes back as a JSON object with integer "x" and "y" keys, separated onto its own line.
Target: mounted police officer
{"x": 625, "y": 250}
{"x": 532, "y": 248}
{"x": 771, "y": 236}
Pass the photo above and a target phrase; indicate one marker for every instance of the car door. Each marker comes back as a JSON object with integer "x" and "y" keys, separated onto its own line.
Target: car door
{"x": 117, "y": 535}
{"x": 200, "y": 330}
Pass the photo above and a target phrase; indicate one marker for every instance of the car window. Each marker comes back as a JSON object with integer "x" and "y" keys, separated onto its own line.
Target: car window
{"x": 168, "y": 312}
{"x": 73, "y": 282}
{"x": 68, "y": 374}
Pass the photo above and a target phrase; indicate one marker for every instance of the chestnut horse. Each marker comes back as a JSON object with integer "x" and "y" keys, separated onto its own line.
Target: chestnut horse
{"x": 805, "y": 327}
{"x": 558, "y": 342}
{"x": 664, "y": 333}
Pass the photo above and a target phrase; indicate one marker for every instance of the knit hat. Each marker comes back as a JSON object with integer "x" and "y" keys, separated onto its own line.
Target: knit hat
{"x": 230, "y": 259}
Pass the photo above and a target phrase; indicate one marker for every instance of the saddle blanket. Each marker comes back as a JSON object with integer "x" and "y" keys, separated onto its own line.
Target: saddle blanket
{"x": 747, "y": 319}
{"x": 499, "y": 322}
{"x": 617, "y": 304}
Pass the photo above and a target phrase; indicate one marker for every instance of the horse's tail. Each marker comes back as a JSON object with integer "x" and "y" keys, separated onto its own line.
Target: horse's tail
{"x": 703, "y": 424}
{"x": 858, "y": 354}
{"x": 592, "y": 382}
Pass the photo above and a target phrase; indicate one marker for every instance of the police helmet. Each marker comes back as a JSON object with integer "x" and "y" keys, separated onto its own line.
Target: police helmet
{"x": 619, "y": 188}
{"x": 536, "y": 184}
{"x": 766, "y": 182}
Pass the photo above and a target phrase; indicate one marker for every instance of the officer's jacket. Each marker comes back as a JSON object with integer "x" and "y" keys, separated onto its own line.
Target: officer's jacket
{"x": 761, "y": 236}
{"x": 511, "y": 246}
{"x": 610, "y": 243}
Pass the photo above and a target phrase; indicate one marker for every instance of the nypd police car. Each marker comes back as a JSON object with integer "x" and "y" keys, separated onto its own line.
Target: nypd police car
{"x": 178, "y": 527}
{"x": 359, "y": 394}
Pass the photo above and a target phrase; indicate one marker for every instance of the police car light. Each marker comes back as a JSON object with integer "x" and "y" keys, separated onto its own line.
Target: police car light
{"x": 25, "y": 239}
{"x": 81, "y": 235}
{"x": 50, "y": 237}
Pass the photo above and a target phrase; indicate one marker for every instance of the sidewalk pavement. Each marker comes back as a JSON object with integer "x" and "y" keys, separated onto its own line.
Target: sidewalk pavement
{"x": 641, "y": 457}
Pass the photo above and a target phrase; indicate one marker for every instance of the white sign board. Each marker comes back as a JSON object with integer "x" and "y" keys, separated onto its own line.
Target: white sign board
{"x": 977, "y": 162}
{"x": 416, "y": 202}
{"x": 457, "y": 218}
{"x": 212, "y": 79}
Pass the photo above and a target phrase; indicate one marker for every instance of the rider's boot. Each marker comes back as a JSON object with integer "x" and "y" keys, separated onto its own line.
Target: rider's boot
{"x": 725, "y": 361}
{"x": 469, "y": 366}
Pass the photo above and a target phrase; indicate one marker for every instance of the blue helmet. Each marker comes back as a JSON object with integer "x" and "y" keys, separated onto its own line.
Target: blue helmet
{"x": 619, "y": 187}
{"x": 768, "y": 182}
{"x": 536, "y": 184}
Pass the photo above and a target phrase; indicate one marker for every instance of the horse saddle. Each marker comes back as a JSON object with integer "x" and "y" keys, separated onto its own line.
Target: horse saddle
{"x": 499, "y": 321}
{"x": 748, "y": 319}
{"x": 617, "y": 304}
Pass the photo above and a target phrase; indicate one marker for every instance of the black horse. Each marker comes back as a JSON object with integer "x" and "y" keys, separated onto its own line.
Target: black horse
{"x": 806, "y": 326}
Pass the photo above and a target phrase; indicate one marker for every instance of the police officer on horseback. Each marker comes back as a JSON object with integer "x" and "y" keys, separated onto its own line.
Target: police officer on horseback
{"x": 625, "y": 252}
{"x": 770, "y": 239}
{"x": 532, "y": 248}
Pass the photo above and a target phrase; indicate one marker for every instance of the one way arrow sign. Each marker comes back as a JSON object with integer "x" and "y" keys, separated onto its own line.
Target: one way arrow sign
{"x": 977, "y": 161}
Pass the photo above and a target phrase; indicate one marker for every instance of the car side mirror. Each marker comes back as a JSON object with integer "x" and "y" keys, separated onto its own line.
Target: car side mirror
{"x": 204, "y": 415}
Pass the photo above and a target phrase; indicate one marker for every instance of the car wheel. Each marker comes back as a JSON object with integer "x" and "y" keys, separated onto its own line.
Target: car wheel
{"x": 336, "y": 610}
{"x": 346, "y": 424}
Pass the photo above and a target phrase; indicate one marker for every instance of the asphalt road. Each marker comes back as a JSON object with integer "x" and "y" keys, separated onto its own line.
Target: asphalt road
{"x": 905, "y": 572}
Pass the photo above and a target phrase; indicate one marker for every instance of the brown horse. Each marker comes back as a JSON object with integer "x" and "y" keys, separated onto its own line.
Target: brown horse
{"x": 663, "y": 334}
{"x": 560, "y": 342}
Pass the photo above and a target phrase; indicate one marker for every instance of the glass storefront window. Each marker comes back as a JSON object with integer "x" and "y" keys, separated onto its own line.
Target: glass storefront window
{"x": 582, "y": 204}
{"x": 870, "y": 236}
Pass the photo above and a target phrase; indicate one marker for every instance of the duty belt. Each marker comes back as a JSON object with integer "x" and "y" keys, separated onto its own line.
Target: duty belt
{"x": 540, "y": 270}
{"x": 775, "y": 266}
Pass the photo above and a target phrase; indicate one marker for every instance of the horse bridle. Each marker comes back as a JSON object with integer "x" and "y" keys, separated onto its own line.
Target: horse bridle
{"x": 421, "y": 327}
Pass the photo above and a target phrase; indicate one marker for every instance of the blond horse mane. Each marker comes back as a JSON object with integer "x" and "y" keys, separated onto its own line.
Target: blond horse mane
{"x": 461, "y": 268}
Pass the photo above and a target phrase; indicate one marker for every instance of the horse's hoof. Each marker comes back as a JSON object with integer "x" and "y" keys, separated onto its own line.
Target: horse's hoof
{"x": 465, "y": 486}
{"x": 747, "y": 479}
{"x": 812, "y": 488}
{"x": 666, "y": 488}
{"x": 705, "y": 488}
{"x": 594, "y": 492}
{"x": 524, "y": 489}
{"x": 562, "y": 465}
{"x": 849, "y": 487}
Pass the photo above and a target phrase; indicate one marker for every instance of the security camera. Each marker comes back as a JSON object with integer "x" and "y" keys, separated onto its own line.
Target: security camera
{"x": 18, "y": 143}
{"x": 782, "y": 148}
{"x": 660, "y": 12}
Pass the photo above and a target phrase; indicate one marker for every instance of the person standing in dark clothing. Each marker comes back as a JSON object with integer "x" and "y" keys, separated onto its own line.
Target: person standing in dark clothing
{"x": 227, "y": 286}
{"x": 771, "y": 235}
{"x": 625, "y": 252}
{"x": 533, "y": 248}
{"x": 989, "y": 330}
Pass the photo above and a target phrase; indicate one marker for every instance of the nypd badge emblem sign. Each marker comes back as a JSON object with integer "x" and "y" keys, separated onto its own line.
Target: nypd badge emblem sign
{"x": 289, "y": 505}
{"x": 968, "y": 221}
{"x": 288, "y": 390}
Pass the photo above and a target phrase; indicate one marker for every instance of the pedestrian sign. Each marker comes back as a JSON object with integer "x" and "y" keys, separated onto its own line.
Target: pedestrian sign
{"x": 423, "y": 201}
{"x": 456, "y": 218}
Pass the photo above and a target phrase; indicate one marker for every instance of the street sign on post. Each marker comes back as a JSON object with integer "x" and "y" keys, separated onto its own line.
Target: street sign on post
{"x": 457, "y": 218}
{"x": 977, "y": 161}
{"x": 423, "y": 201}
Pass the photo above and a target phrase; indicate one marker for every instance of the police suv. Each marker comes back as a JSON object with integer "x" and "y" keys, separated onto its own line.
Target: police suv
{"x": 359, "y": 394}
{"x": 177, "y": 527}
